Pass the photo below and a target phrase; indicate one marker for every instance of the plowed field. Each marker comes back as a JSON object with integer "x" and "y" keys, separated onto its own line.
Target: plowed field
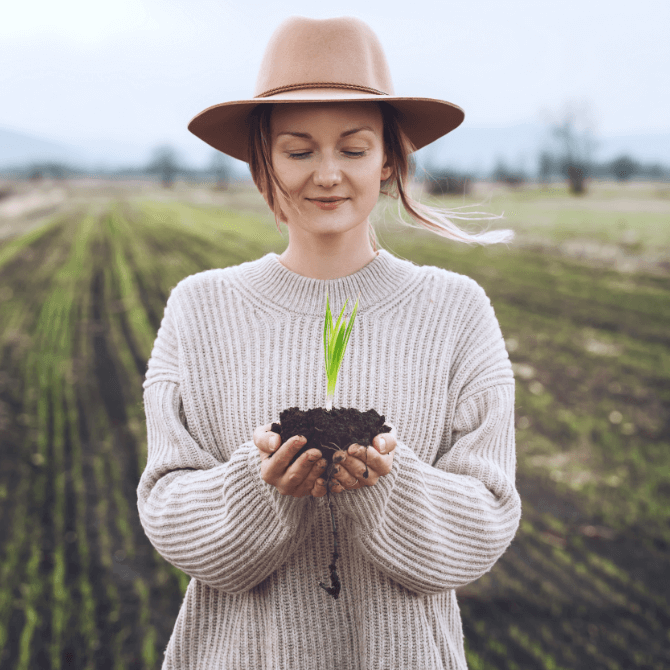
{"x": 584, "y": 584}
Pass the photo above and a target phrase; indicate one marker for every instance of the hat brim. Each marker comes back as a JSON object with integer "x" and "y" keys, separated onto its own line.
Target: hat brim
{"x": 225, "y": 126}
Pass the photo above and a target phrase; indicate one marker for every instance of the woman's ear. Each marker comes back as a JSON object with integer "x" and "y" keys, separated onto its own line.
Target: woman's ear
{"x": 387, "y": 169}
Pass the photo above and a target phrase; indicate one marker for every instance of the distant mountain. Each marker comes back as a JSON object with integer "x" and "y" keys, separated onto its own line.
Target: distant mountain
{"x": 19, "y": 149}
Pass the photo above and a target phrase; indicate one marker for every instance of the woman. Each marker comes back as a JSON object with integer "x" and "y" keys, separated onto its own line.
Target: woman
{"x": 237, "y": 345}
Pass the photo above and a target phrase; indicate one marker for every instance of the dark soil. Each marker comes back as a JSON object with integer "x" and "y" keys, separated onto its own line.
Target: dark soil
{"x": 330, "y": 431}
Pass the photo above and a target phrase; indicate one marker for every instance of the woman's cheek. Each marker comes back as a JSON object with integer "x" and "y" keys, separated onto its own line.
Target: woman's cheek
{"x": 295, "y": 180}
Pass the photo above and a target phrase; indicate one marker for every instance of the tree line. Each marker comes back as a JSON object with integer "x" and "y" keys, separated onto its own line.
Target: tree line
{"x": 165, "y": 164}
{"x": 568, "y": 155}
{"x": 570, "y": 160}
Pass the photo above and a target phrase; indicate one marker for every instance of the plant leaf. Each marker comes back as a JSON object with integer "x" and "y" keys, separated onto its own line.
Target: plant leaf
{"x": 351, "y": 324}
{"x": 335, "y": 340}
{"x": 326, "y": 330}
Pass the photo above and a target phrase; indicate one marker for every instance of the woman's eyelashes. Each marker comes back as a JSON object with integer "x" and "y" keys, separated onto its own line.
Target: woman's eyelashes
{"x": 298, "y": 155}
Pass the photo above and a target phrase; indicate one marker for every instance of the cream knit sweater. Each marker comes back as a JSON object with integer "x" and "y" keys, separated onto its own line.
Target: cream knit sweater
{"x": 238, "y": 345}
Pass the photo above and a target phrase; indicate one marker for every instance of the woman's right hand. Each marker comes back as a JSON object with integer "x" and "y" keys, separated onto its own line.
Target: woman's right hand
{"x": 297, "y": 480}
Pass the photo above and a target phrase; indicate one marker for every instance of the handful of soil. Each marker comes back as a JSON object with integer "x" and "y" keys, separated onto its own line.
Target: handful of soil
{"x": 330, "y": 431}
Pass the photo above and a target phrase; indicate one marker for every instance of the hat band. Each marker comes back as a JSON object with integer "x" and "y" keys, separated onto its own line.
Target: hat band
{"x": 328, "y": 84}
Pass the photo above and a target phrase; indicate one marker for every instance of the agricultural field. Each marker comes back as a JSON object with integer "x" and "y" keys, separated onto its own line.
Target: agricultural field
{"x": 583, "y": 299}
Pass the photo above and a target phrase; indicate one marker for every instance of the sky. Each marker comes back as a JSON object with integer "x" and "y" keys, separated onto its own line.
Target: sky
{"x": 134, "y": 72}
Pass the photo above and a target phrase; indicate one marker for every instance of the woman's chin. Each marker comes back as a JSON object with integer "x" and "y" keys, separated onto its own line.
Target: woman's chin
{"x": 328, "y": 223}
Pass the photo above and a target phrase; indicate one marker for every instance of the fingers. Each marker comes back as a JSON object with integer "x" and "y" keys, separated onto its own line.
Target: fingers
{"x": 297, "y": 479}
{"x": 269, "y": 442}
{"x": 284, "y": 455}
{"x": 343, "y": 479}
{"x": 385, "y": 443}
{"x": 300, "y": 478}
{"x": 360, "y": 466}
{"x": 265, "y": 439}
{"x": 348, "y": 474}
{"x": 317, "y": 468}
{"x": 378, "y": 463}
{"x": 353, "y": 469}
{"x": 366, "y": 465}
{"x": 319, "y": 489}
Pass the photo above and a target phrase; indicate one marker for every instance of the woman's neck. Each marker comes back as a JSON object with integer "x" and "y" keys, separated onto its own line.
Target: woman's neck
{"x": 326, "y": 261}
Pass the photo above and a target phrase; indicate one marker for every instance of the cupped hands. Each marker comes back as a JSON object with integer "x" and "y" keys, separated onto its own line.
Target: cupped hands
{"x": 306, "y": 476}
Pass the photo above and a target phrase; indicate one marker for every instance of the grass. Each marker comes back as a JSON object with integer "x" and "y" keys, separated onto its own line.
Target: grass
{"x": 583, "y": 585}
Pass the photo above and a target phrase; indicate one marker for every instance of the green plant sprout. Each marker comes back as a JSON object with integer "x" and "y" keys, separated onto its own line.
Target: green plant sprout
{"x": 335, "y": 340}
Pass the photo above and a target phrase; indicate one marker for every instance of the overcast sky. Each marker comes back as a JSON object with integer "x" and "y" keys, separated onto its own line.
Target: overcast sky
{"x": 136, "y": 71}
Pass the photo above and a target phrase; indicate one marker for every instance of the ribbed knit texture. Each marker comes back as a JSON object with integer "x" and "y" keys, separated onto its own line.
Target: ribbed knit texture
{"x": 240, "y": 344}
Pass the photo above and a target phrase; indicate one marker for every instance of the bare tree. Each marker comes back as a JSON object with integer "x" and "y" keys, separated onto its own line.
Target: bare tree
{"x": 624, "y": 167}
{"x": 503, "y": 174}
{"x": 222, "y": 168}
{"x": 165, "y": 163}
{"x": 546, "y": 167}
{"x": 574, "y": 136}
{"x": 442, "y": 181}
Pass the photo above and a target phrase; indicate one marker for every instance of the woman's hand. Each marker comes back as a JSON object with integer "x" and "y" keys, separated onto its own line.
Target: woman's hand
{"x": 307, "y": 470}
{"x": 357, "y": 460}
{"x": 297, "y": 480}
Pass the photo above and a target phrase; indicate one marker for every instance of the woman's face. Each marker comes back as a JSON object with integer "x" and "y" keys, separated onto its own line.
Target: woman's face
{"x": 330, "y": 158}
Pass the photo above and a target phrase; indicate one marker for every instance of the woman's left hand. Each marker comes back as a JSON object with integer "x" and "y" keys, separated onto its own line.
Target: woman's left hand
{"x": 353, "y": 464}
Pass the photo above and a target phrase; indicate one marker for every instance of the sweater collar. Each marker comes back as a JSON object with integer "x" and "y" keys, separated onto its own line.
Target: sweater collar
{"x": 384, "y": 276}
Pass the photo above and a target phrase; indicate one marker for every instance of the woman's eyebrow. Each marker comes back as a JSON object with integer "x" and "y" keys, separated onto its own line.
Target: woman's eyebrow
{"x": 353, "y": 131}
{"x": 307, "y": 136}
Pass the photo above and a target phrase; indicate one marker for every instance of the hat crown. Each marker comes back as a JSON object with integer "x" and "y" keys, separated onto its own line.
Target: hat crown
{"x": 303, "y": 53}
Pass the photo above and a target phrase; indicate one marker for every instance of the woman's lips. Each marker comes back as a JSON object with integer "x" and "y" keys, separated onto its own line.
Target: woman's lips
{"x": 328, "y": 203}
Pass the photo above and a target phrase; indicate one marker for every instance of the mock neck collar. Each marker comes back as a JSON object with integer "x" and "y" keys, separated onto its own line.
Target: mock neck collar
{"x": 384, "y": 276}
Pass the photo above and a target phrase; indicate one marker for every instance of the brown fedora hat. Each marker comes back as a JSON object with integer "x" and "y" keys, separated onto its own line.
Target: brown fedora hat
{"x": 323, "y": 60}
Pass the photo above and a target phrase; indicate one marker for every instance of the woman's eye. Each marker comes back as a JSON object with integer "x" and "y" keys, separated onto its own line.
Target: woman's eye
{"x": 354, "y": 154}
{"x": 299, "y": 154}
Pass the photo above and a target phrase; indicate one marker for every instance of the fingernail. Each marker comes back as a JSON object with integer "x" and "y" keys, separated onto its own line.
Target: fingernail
{"x": 336, "y": 470}
{"x": 320, "y": 482}
{"x": 274, "y": 443}
{"x": 382, "y": 445}
{"x": 300, "y": 440}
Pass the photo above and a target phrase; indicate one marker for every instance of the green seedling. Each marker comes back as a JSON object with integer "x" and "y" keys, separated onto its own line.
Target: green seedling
{"x": 335, "y": 340}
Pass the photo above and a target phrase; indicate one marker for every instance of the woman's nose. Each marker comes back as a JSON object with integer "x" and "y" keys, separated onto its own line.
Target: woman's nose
{"x": 327, "y": 173}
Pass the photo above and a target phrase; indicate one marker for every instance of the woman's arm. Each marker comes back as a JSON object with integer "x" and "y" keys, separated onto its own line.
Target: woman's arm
{"x": 217, "y": 522}
{"x": 220, "y": 523}
{"x": 439, "y": 526}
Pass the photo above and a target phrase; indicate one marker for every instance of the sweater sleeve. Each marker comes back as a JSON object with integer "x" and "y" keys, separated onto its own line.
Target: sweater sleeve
{"x": 439, "y": 526}
{"x": 220, "y": 523}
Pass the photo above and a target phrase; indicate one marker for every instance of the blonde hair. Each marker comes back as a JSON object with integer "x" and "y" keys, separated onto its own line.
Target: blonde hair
{"x": 398, "y": 154}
